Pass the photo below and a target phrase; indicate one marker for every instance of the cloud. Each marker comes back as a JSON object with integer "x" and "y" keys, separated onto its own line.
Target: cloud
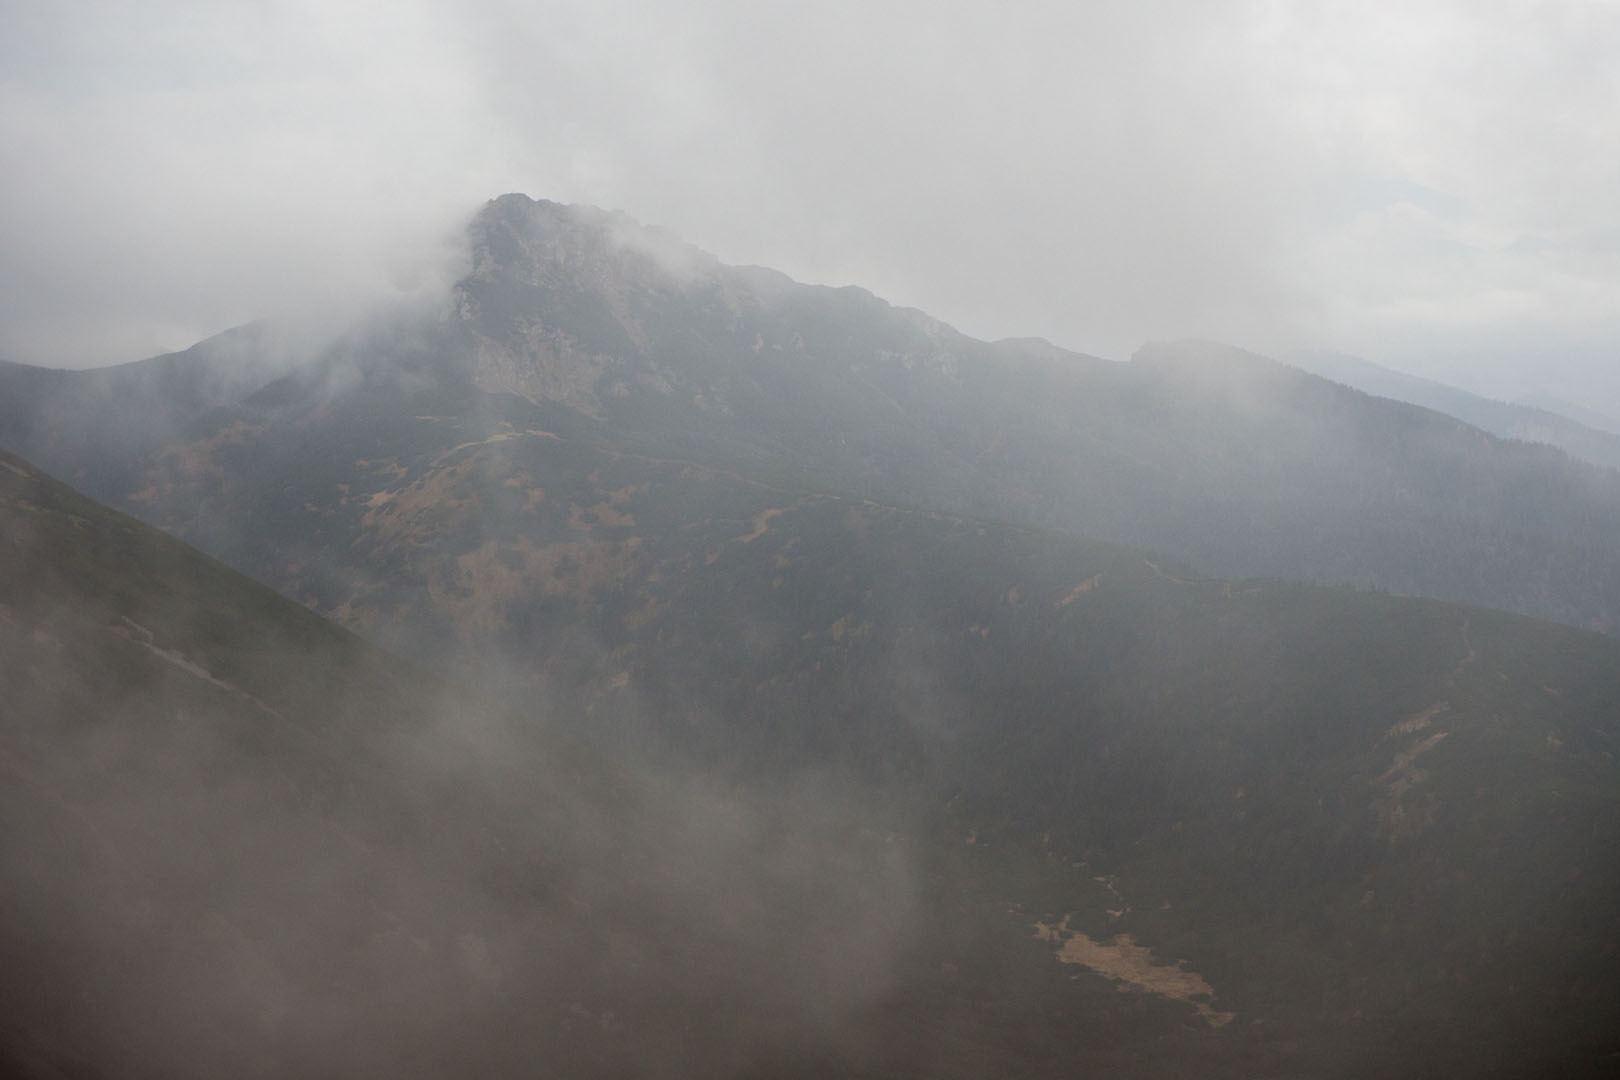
{"x": 168, "y": 176}
{"x": 1098, "y": 174}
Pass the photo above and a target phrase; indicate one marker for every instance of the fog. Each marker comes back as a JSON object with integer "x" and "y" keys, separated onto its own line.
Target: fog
{"x": 813, "y": 699}
{"x": 1428, "y": 185}
{"x": 357, "y": 875}
{"x": 790, "y": 780}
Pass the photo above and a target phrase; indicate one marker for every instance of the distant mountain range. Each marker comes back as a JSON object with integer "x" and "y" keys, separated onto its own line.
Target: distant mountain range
{"x": 852, "y": 698}
{"x": 1555, "y": 423}
{"x": 1590, "y": 417}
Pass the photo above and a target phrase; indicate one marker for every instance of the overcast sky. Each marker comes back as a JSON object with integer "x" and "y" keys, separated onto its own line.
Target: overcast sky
{"x": 1431, "y": 185}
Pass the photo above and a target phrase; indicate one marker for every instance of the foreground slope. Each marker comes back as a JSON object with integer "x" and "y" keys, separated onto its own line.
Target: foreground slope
{"x": 236, "y": 840}
{"x": 955, "y": 798}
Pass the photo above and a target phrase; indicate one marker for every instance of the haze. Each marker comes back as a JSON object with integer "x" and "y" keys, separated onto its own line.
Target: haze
{"x": 1427, "y": 185}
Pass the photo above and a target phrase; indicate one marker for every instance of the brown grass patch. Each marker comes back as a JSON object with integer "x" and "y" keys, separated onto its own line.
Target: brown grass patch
{"x": 1134, "y": 967}
{"x": 1080, "y": 590}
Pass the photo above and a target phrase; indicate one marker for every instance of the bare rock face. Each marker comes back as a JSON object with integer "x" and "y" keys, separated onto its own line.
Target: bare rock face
{"x": 548, "y": 283}
{"x": 540, "y": 363}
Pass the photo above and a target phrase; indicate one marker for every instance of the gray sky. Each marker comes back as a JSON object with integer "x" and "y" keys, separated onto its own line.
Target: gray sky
{"x": 1431, "y": 185}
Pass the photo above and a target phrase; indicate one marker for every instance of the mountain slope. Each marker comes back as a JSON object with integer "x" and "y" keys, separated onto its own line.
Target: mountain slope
{"x": 578, "y": 333}
{"x": 1299, "y": 792}
{"x": 826, "y": 744}
{"x": 236, "y": 840}
{"x": 1041, "y": 804}
{"x": 93, "y": 424}
{"x": 1526, "y": 422}
{"x": 1580, "y": 413}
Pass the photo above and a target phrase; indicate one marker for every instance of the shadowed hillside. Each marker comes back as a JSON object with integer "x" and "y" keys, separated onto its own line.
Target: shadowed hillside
{"x": 936, "y": 796}
{"x": 236, "y": 840}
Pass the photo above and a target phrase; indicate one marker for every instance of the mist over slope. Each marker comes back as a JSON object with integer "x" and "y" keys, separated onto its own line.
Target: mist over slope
{"x": 582, "y": 328}
{"x": 936, "y": 796}
{"x": 239, "y": 841}
{"x": 1554, "y": 423}
{"x": 820, "y": 727}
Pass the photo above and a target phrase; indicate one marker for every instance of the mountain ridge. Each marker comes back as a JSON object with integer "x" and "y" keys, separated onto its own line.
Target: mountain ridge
{"x": 1550, "y": 424}
{"x": 571, "y": 313}
{"x": 807, "y": 657}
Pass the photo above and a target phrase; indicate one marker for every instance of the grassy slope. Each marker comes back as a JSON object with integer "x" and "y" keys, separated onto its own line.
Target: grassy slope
{"x": 1383, "y": 822}
{"x": 1245, "y": 775}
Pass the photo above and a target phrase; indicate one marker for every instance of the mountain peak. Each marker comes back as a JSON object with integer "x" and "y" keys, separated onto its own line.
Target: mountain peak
{"x": 544, "y": 242}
